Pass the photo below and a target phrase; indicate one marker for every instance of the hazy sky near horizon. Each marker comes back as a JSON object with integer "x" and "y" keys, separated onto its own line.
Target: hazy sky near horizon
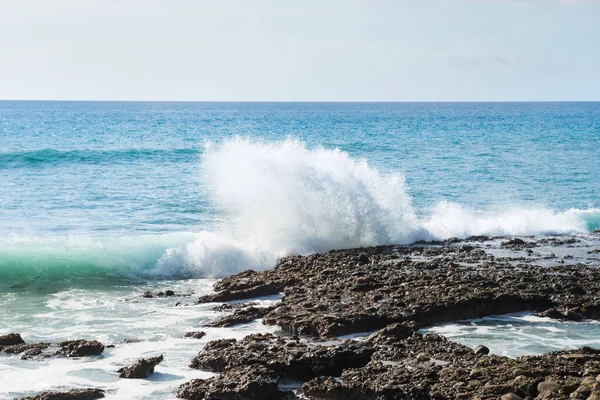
{"x": 302, "y": 50}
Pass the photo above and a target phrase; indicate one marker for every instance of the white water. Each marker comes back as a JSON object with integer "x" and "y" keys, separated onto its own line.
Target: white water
{"x": 112, "y": 315}
{"x": 521, "y": 334}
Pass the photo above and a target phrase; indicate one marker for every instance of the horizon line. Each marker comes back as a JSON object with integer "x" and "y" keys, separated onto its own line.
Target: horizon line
{"x": 297, "y": 101}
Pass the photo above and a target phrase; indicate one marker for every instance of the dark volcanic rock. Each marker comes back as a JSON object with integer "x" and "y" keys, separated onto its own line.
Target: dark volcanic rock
{"x": 241, "y": 383}
{"x": 481, "y": 349}
{"x": 563, "y": 313}
{"x": 141, "y": 369}
{"x": 195, "y": 335}
{"x": 11, "y": 339}
{"x": 335, "y": 293}
{"x": 246, "y": 293}
{"x": 234, "y": 306}
{"x": 70, "y": 348}
{"x": 290, "y": 357}
{"x": 81, "y": 348}
{"x": 517, "y": 243}
{"x": 395, "y": 290}
{"x": 77, "y": 394}
{"x": 166, "y": 293}
{"x": 242, "y": 316}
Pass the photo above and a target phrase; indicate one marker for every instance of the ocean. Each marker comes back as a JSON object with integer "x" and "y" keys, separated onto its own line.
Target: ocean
{"x": 102, "y": 201}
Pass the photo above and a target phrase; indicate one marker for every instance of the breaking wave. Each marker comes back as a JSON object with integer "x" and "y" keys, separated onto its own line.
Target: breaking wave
{"x": 276, "y": 199}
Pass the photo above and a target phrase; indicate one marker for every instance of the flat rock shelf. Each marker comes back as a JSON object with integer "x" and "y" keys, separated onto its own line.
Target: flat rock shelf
{"x": 381, "y": 297}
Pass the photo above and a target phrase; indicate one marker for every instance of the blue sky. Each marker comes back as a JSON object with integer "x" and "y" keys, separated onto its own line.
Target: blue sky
{"x": 304, "y": 50}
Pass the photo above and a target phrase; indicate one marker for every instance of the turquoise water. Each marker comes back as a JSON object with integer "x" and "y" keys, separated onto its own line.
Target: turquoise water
{"x": 100, "y": 202}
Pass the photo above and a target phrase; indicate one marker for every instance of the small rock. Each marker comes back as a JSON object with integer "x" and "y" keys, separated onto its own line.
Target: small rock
{"x": 81, "y": 348}
{"x": 510, "y": 396}
{"x": 11, "y": 339}
{"x": 465, "y": 248}
{"x": 548, "y": 386}
{"x": 481, "y": 349}
{"x": 516, "y": 242}
{"x": 363, "y": 258}
{"x": 78, "y": 394}
{"x": 141, "y": 369}
{"x": 195, "y": 335}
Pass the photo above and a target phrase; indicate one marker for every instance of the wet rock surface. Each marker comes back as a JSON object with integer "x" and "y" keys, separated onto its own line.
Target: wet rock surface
{"x": 245, "y": 382}
{"x": 81, "y": 348}
{"x": 11, "y": 339}
{"x": 165, "y": 293}
{"x": 70, "y": 348}
{"x": 78, "y": 394}
{"x": 291, "y": 357}
{"x": 141, "y": 369}
{"x": 350, "y": 291}
{"x": 394, "y": 291}
{"x": 195, "y": 335}
{"x": 242, "y": 316}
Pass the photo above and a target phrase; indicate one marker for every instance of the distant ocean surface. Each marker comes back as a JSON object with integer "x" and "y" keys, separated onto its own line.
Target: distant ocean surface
{"x": 112, "y": 185}
{"x": 100, "y": 201}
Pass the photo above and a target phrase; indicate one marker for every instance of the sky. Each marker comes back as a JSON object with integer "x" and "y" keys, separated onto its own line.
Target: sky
{"x": 300, "y": 50}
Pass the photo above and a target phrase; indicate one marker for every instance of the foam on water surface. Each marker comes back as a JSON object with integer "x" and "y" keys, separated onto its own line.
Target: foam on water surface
{"x": 521, "y": 334}
{"x": 138, "y": 327}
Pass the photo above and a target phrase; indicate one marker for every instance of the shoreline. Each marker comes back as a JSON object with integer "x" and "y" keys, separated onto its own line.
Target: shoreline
{"x": 396, "y": 291}
{"x": 381, "y": 297}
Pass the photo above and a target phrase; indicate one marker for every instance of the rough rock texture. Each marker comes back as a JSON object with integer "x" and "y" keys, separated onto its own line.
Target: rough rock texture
{"x": 396, "y": 290}
{"x": 242, "y": 316}
{"x": 195, "y": 335}
{"x": 250, "y": 382}
{"x": 166, "y": 293}
{"x": 81, "y": 348}
{"x": 242, "y": 293}
{"x": 141, "y": 369}
{"x": 350, "y": 291}
{"x": 78, "y": 394}
{"x": 11, "y": 339}
{"x": 71, "y": 348}
{"x": 290, "y": 357}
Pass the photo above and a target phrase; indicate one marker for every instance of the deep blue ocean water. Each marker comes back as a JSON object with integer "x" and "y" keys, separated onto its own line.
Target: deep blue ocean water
{"x": 102, "y": 201}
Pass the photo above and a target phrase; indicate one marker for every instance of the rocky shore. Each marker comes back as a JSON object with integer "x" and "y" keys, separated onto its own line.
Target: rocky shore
{"x": 351, "y": 325}
{"x": 385, "y": 295}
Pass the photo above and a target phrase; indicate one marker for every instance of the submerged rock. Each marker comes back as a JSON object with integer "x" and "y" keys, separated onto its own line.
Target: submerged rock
{"x": 76, "y": 394}
{"x": 141, "y": 369}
